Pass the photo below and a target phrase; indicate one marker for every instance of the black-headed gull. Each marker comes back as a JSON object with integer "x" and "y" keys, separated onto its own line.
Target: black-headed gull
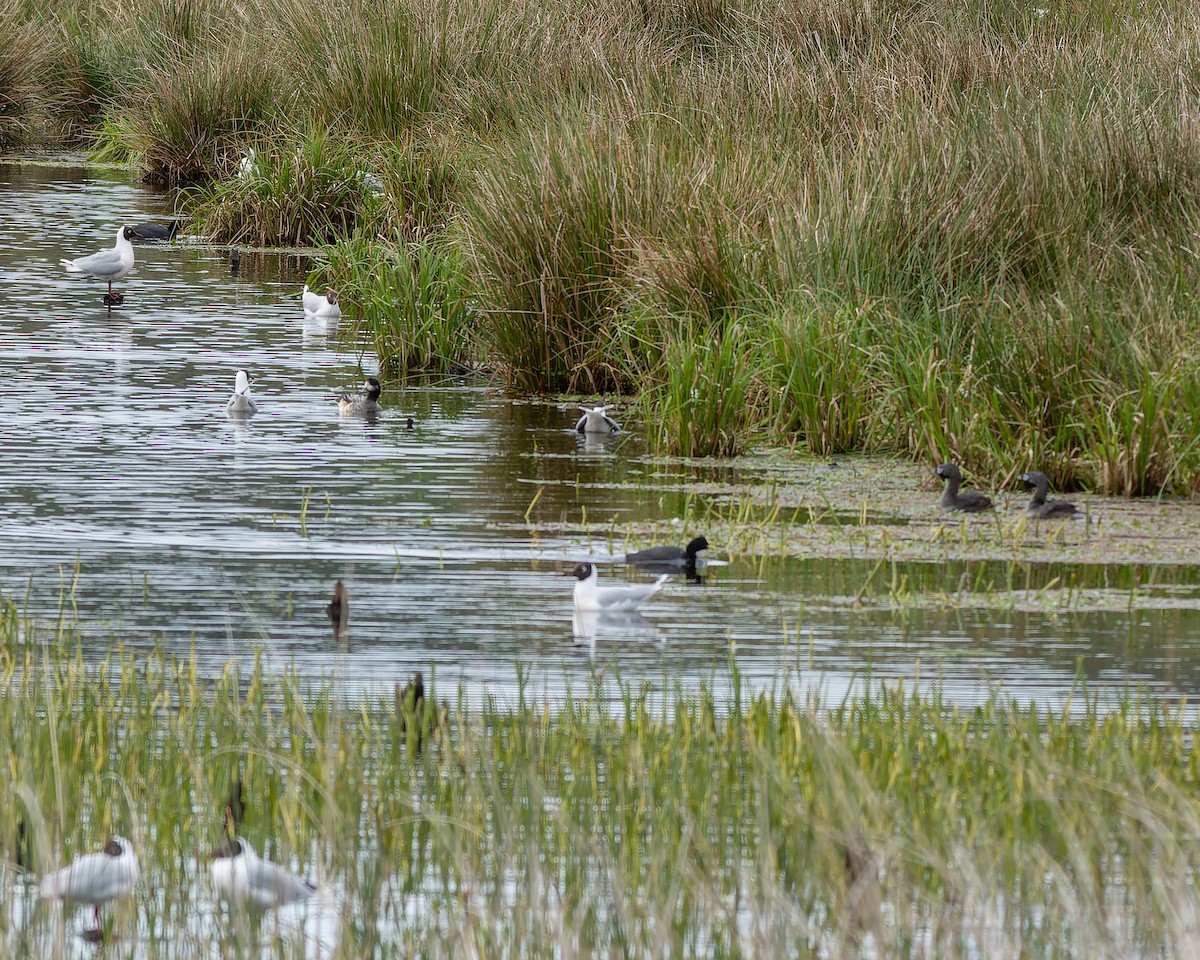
{"x": 666, "y": 556}
{"x": 242, "y": 403}
{"x": 590, "y": 596}
{"x": 1039, "y": 506}
{"x": 366, "y": 405}
{"x": 244, "y": 879}
{"x": 321, "y": 306}
{"x": 970, "y": 502}
{"x": 96, "y": 878}
{"x": 108, "y": 265}
{"x": 595, "y": 420}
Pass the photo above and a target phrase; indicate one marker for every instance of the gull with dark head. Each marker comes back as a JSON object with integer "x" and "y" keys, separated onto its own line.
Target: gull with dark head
{"x": 321, "y": 306}
{"x": 95, "y": 879}
{"x": 365, "y": 405}
{"x": 108, "y": 265}
{"x": 596, "y": 420}
{"x": 591, "y": 597}
{"x": 242, "y": 403}
{"x": 243, "y": 879}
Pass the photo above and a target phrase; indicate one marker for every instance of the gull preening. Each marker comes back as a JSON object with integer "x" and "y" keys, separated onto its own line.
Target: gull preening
{"x": 96, "y": 878}
{"x": 591, "y": 597}
{"x": 244, "y": 879}
{"x": 321, "y": 306}
{"x": 108, "y": 265}
{"x": 242, "y": 403}
{"x": 366, "y": 405}
{"x": 596, "y": 420}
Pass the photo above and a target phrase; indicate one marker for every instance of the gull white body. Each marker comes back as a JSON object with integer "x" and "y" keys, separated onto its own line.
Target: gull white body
{"x": 595, "y": 420}
{"x": 244, "y": 879}
{"x": 96, "y": 878}
{"x": 242, "y": 401}
{"x": 590, "y": 597}
{"x": 108, "y": 265}
{"x": 321, "y": 305}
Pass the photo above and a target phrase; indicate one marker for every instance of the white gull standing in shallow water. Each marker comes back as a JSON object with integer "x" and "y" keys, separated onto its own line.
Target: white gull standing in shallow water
{"x": 595, "y": 420}
{"x": 244, "y": 879}
{"x": 96, "y": 878}
{"x": 242, "y": 402}
{"x": 108, "y": 265}
{"x": 591, "y": 597}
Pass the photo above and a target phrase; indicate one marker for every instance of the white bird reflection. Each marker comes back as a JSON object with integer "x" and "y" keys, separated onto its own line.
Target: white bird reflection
{"x": 315, "y": 329}
{"x": 310, "y": 928}
{"x": 587, "y": 625}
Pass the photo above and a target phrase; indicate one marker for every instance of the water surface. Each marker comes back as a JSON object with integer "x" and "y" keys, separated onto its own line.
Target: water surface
{"x": 129, "y": 491}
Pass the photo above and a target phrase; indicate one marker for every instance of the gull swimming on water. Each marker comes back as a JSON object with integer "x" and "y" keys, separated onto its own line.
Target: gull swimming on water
{"x": 595, "y": 420}
{"x": 244, "y": 879}
{"x": 242, "y": 402}
{"x": 95, "y": 879}
{"x": 321, "y": 306}
{"x": 109, "y": 265}
{"x": 590, "y": 596}
{"x": 366, "y": 405}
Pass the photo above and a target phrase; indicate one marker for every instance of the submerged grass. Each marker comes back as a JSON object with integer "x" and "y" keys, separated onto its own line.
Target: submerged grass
{"x": 723, "y": 821}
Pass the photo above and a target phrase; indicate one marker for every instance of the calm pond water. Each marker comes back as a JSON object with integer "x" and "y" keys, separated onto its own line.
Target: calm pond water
{"x": 127, "y": 486}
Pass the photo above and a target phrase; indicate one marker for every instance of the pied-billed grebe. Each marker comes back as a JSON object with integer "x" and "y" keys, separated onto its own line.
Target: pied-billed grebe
{"x": 1039, "y": 506}
{"x": 970, "y": 501}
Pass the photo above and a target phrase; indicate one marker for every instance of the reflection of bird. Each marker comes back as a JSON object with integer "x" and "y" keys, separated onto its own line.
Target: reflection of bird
{"x": 108, "y": 265}
{"x": 96, "y": 878}
{"x": 366, "y": 405}
{"x": 321, "y": 306}
{"x": 1039, "y": 506}
{"x": 338, "y": 610}
{"x": 972, "y": 501}
{"x": 242, "y": 402}
{"x": 244, "y": 879}
{"x": 669, "y": 556}
{"x": 155, "y": 232}
{"x": 595, "y": 420}
{"x": 589, "y": 595}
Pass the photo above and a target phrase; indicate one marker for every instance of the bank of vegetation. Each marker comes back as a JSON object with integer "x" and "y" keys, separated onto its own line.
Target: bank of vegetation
{"x": 958, "y": 230}
{"x": 721, "y": 821}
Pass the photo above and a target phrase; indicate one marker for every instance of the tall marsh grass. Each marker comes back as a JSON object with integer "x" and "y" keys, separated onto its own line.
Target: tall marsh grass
{"x": 614, "y": 819}
{"x": 1006, "y": 197}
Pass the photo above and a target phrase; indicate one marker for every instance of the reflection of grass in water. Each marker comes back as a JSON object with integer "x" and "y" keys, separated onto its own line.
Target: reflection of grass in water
{"x": 693, "y": 822}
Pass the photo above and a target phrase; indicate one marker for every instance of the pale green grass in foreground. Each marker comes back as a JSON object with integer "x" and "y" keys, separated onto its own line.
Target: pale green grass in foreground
{"x": 615, "y": 822}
